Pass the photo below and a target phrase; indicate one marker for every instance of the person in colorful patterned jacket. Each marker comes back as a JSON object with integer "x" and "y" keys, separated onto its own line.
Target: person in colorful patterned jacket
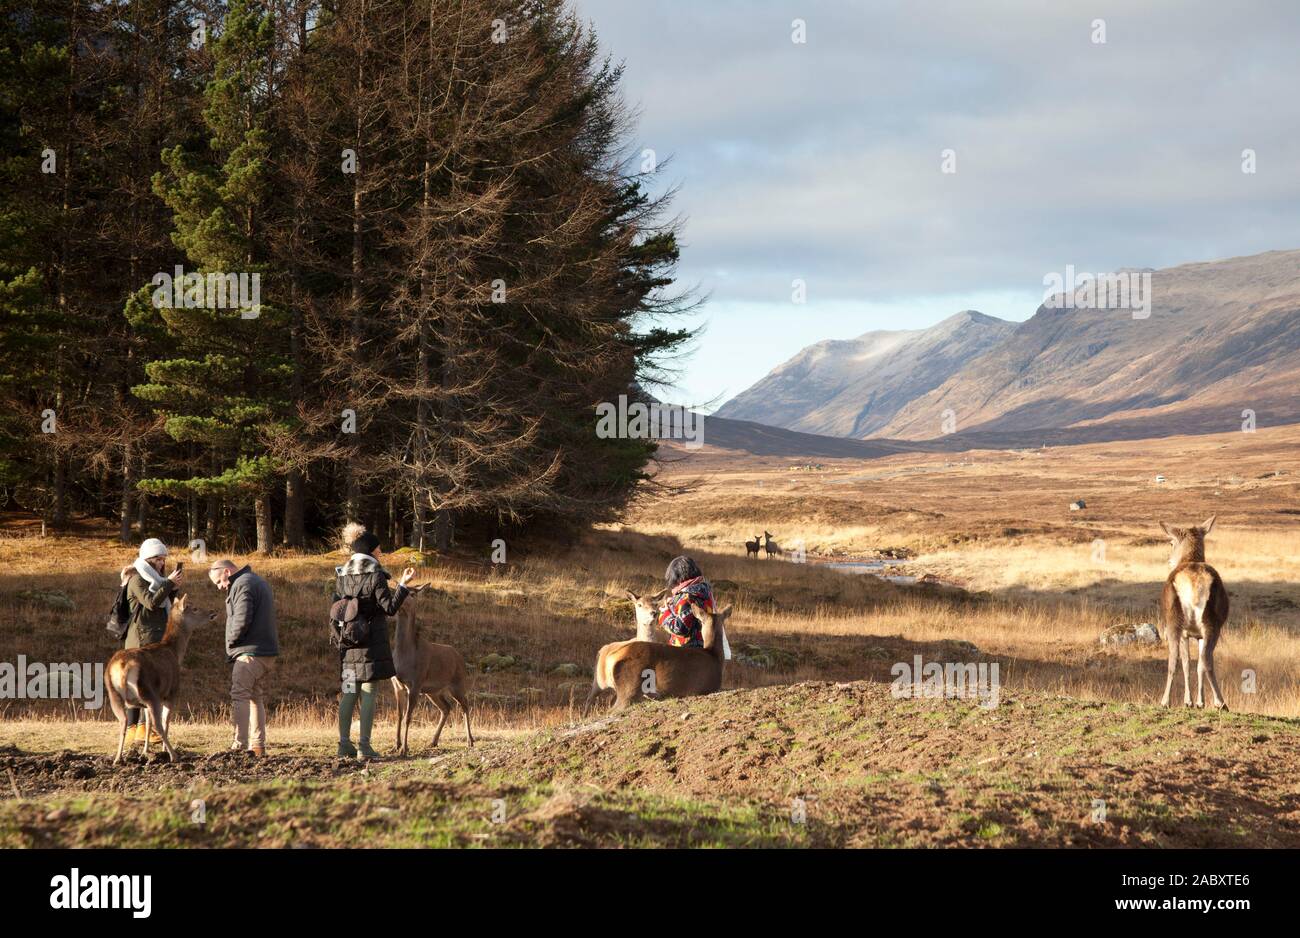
{"x": 686, "y": 585}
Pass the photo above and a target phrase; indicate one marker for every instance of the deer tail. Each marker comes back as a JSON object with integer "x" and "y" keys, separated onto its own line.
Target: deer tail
{"x": 1195, "y": 596}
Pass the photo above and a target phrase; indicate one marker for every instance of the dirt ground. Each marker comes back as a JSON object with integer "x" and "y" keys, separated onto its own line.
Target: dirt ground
{"x": 814, "y": 764}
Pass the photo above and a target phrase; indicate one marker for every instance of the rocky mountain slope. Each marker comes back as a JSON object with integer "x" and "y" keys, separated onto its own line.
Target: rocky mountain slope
{"x": 853, "y": 388}
{"x": 1219, "y": 348}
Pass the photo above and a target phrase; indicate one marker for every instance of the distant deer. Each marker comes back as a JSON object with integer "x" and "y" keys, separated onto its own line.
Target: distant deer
{"x": 769, "y": 545}
{"x": 647, "y": 618}
{"x": 150, "y": 676}
{"x": 751, "y": 547}
{"x": 1195, "y": 606}
{"x": 678, "y": 671}
{"x": 424, "y": 667}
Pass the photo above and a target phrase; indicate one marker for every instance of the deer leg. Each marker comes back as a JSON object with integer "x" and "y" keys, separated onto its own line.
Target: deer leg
{"x": 160, "y": 722}
{"x": 444, "y": 704}
{"x": 412, "y": 701}
{"x": 146, "y": 723}
{"x": 121, "y": 739}
{"x": 1208, "y": 655}
{"x": 591, "y": 695}
{"x": 1185, "y": 658}
{"x": 1200, "y": 674}
{"x": 403, "y": 700}
{"x": 459, "y": 696}
{"x": 119, "y": 711}
{"x": 1172, "y": 640}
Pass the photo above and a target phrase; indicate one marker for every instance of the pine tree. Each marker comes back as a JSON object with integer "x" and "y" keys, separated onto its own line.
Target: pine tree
{"x": 228, "y": 386}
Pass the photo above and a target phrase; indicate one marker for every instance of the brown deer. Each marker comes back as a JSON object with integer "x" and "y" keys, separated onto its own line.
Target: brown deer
{"x": 150, "y": 676}
{"x": 424, "y": 667}
{"x": 1195, "y": 606}
{"x": 751, "y": 547}
{"x": 771, "y": 546}
{"x": 677, "y": 671}
{"x": 647, "y": 618}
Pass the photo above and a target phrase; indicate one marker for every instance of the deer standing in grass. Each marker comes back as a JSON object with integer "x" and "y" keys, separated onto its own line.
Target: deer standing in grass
{"x": 646, "y": 611}
{"x": 769, "y": 545}
{"x": 677, "y": 671}
{"x": 425, "y": 667}
{"x": 150, "y": 676}
{"x": 751, "y": 547}
{"x": 1194, "y": 606}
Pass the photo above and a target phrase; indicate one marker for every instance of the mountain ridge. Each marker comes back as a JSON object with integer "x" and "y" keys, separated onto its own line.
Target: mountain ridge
{"x": 1221, "y": 338}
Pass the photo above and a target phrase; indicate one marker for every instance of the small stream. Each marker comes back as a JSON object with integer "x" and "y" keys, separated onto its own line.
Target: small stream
{"x": 873, "y": 568}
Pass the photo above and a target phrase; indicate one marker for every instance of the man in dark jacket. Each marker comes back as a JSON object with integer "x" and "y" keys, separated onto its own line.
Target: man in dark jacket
{"x": 251, "y": 648}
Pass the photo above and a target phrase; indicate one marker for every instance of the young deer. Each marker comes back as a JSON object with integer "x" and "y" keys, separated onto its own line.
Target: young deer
{"x": 150, "y": 676}
{"x": 678, "y": 671}
{"x": 751, "y": 547}
{"x": 769, "y": 545}
{"x": 647, "y": 618}
{"x": 424, "y": 667}
{"x": 1195, "y": 606}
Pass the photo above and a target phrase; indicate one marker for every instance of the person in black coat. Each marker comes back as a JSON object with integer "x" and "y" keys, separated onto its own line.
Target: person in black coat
{"x": 360, "y": 630}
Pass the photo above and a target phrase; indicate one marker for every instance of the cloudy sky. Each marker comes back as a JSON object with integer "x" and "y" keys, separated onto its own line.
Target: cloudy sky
{"x": 821, "y": 161}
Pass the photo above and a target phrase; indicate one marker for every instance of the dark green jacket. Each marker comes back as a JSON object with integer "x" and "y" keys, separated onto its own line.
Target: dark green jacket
{"x": 366, "y": 580}
{"x": 148, "y": 611}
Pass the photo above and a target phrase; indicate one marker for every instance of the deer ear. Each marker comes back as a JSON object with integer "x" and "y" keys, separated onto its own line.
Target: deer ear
{"x": 658, "y": 596}
{"x": 180, "y": 600}
{"x": 1173, "y": 536}
{"x": 632, "y": 596}
{"x": 1209, "y": 524}
{"x": 722, "y": 613}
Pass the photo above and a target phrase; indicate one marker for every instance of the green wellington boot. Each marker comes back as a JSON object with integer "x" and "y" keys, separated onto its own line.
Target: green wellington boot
{"x": 347, "y": 702}
{"x": 368, "y": 700}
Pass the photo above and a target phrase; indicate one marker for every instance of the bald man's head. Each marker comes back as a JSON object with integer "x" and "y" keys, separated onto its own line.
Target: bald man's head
{"x": 219, "y": 572}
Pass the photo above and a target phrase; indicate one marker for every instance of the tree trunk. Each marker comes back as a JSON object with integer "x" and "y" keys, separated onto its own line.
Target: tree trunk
{"x": 262, "y": 514}
{"x": 294, "y": 500}
{"x": 124, "y": 511}
{"x": 211, "y": 522}
{"x": 418, "y": 523}
{"x": 443, "y": 529}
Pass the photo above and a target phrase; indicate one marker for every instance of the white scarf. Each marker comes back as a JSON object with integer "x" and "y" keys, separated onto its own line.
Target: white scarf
{"x": 157, "y": 582}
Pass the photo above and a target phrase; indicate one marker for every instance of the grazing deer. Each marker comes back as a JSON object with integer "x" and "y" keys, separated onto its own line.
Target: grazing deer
{"x": 150, "y": 676}
{"x": 425, "y": 667}
{"x": 769, "y": 545}
{"x": 647, "y": 618}
{"x": 751, "y": 547}
{"x": 678, "y": 671}
{"x": 1195, "y": 606}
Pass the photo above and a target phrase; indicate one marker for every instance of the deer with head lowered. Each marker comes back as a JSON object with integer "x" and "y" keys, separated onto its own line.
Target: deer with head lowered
{"x": 150, "y": 676}
{"x": 769, "y": 545}
{"x": 424, "y": 667}
{"x": 1194, "y": 605}
{"x": 647, "y": 617}
{"x": 641, "y": 669}
{"x": 751, "y": 547}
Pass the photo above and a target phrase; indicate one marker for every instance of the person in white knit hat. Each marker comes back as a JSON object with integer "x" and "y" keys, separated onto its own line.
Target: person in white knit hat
{"x": 149, "y": 591}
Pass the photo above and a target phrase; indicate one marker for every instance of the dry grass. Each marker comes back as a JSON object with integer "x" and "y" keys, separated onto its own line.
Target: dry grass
{"x": 1027, "y": 591}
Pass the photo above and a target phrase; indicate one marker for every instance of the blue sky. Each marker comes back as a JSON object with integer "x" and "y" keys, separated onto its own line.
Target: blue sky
{"x": 822, "y": 161}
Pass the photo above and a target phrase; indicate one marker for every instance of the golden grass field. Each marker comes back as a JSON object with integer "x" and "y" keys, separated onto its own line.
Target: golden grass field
{"x": 1021, "y": 576}
{"x": 1015, "y": 579}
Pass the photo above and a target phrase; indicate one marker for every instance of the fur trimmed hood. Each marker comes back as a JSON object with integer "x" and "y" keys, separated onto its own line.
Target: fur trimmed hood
{"x": 359, "y": 564}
